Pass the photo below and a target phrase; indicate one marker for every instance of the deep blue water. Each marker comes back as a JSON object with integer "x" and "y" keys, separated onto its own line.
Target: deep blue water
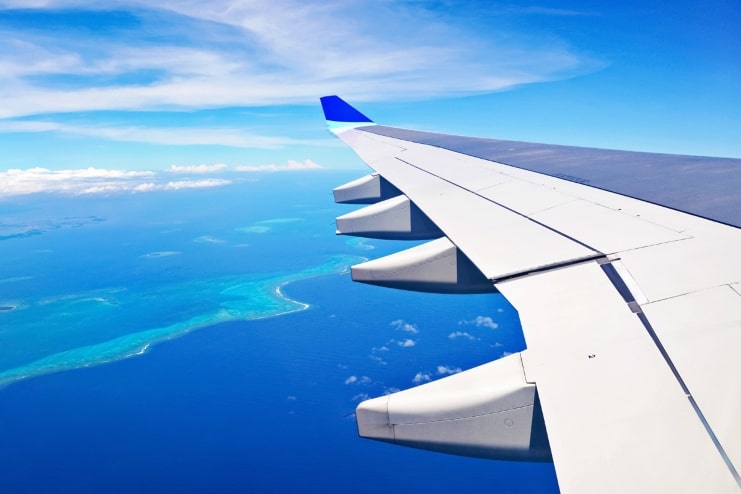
{"x": 259, "y": 405}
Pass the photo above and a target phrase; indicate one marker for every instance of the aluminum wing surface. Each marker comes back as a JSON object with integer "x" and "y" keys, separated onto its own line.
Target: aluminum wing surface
{"x": 625, "y": 269}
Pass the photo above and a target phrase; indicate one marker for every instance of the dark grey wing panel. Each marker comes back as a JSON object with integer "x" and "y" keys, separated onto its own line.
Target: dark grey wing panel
{"x": 703, "y": 186}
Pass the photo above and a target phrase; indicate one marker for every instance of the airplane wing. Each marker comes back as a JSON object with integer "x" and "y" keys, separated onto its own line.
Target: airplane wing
{"x": 625, "y": 269}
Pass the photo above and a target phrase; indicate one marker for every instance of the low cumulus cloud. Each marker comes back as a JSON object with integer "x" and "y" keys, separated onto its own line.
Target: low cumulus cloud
{"x": 408, "y": 343}
{"x": 461, "y": 334}
{"x": 445, "y": 370}
{"x": 182, "y": 184}
{"x": 91, "y": 181}
{"x": 86, "y": 181}
{"x": 421, "y": 377}
{"x": 76, "y": 182}
{"x": 401, "y": 325}
{"x": 234, "y": 53}
{"x": 195, "y": 169}
{"x": 358, "y": 380}
{"x": 374, "y": 353}
{"x": 291, "y": 166}
{"x": 481, "y": 322}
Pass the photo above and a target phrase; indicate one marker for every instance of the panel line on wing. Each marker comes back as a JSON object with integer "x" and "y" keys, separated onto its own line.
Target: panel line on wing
{"x": 550, "y": 267}
{"x": 614, "y": 277}
{"x": 736, "y": 287}
{"x": 549, "y": 228}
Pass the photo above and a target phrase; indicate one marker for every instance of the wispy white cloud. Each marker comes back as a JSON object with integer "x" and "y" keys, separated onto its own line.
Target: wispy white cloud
{"x": 164, "y": 253}
{"x": 481, "y": 322}
{"x": 208, "y": 239}
{"x": 254, "y": 229}
{"x": 176, "y": 136}
{"x": 231, "y": 52}
{"x": 538, "y": 10}
{"x": 291, "y": 166}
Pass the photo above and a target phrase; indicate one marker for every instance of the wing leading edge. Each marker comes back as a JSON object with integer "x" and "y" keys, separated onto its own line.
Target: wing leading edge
{"x": 629, "y": 297}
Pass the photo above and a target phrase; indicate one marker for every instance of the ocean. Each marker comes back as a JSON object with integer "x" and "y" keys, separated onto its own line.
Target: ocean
{"x": 211, "y": 340}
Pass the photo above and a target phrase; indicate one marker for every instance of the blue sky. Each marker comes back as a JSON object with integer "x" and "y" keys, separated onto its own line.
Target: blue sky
{"x": 178, "y": 93}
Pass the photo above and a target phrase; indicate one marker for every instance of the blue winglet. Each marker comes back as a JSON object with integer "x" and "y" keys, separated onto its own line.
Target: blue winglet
{"x": 337, "y": 110}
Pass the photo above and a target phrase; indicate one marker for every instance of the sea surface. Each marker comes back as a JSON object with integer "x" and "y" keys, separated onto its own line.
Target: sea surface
{"x": 211, "y": 340}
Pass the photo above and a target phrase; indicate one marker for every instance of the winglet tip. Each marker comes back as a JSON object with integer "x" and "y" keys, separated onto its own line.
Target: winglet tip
{"x": 337, "y": 110}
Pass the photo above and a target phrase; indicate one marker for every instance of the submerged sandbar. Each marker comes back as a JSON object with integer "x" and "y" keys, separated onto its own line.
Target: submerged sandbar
{"x": 237, "y": 299}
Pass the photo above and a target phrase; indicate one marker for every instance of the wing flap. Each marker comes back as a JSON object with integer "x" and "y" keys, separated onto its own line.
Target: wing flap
{"x": 478, "y": 226}
{"x": 708, "y": 259}
{"x": 612, "y": 407}
{"x": 701, "y": 332}
{"x": 476, "y": 223}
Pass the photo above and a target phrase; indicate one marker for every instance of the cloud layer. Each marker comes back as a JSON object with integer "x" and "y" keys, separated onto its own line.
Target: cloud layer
{"x": 291, "y": 166}
{"x": 173, "y": 136}
{"x": 85, "y": 181}
{"x": 164, "y": 54}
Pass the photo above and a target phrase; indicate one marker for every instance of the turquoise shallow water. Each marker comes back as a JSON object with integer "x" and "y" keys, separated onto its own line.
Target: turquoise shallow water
{"x": 233, "y": 299}
{"x": 89, "y": 280}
